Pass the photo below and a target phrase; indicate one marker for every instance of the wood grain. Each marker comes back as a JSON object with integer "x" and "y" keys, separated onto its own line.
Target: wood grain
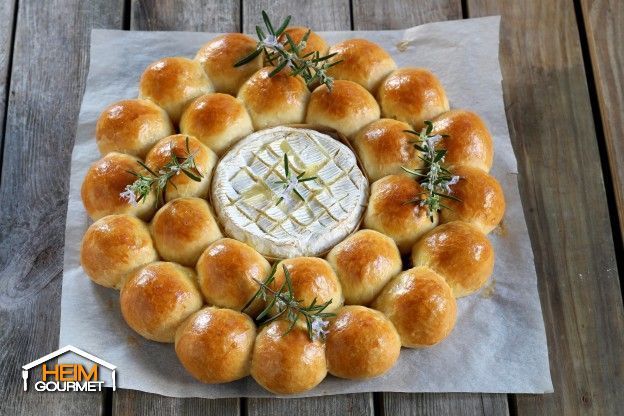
{"x": 7, "y": 14}
{"x": 399, "y": 14}
{"x": 604, "y": 24}
{"x": 48, "y": 76}
{"x": 321, "y": 15}
{"x": 552, "y": 130}
{"x": 196, "y": 15}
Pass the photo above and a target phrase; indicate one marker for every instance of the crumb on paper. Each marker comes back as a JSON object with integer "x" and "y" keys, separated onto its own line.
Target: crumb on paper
{"x": 501, "y": 229}
{"x": 488, "y": 290}
{"x": 403, "y": 45}
{"x": 132, "y": 341}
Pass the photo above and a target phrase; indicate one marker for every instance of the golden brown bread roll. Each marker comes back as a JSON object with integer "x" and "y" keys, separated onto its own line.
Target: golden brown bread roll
{"x": 361, "y": 343}
{"x": 412, "y": 95}
{"x": 157, "y": 298}
{"x": 468, "y": 143}
{"x": 421, "y": 306}
{"x": 460, "y": 253}
{"x": 384, "y": 147}
{"x": 105, "y": 180}
{"x": 482, "y": 202}
{"x": 274, "y": 101}
{"x": 216, "y": 120}
{"x": 215, "y": 345}
{"x": 347, "y": 107}
{"x": 364, "y": 262}
{"x": 183, "y": 228}
{"x": 394, "y": 210}
{"x": 181, "y": 185}
{"x": 174, "y": 82}
{"x": 131, "y": 126}
{"x": 226, "y": 271}
{"x": 114, "y": 246}
{"x": 363, "y": 62}
{"x": 312, "y": 278}
{"x": 218, "y": 57}
{"x": 287, "y": 363}
{"x": 315, "y": 43}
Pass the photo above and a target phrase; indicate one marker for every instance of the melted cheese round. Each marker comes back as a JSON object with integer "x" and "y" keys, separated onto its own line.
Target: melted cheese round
{"x": 249, "y": 182}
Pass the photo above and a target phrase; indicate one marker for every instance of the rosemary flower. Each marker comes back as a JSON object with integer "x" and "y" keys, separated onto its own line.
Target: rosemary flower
{"x": 435, "y": 179}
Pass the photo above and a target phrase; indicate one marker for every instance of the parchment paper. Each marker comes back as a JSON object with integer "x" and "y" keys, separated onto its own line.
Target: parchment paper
{"x": 498, "y": 344}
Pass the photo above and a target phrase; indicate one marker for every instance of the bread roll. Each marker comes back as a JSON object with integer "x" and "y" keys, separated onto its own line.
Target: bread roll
{"x": 218, "y": 57}
{"x": 157, "y": 298}
{"x": 287, "y": 363}
{"x": 460, "y": 253}
{"x": 131, "y": 126}
{"x": 215, "y": 345}
{"x": 181, "y": 185}
{"x": 315, "y": 43}
{"x": 412, "y": 95}
{"x": 347, "y": 107}
{"x": 361, "y": 343}
{"x": 114, "y": 246}
{"x": 482, "y": 202}
{"x": 274, "y": 101}
{"x": 105, "y": 180}
{"x": 216, "y": 120}
{"x": 394, "y": 210}
{"x": 363, "y": 62}
{"x": 183, "y": 228}
{"x": 364, "y": 262}
{"x": 468, "y": 143}
{"x": 384, "y": 147}
{"x": 312, "y": 278}
{"x": 172, "y": 83}
{"x": 421, "y": 306}
{"x": 227, "y": 269}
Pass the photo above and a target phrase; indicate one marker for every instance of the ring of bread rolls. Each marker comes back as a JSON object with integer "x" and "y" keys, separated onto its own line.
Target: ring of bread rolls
{"x": 208, "y": 311}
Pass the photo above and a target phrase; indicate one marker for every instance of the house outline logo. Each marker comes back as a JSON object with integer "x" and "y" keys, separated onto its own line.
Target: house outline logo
{"x": 68, "y": 348}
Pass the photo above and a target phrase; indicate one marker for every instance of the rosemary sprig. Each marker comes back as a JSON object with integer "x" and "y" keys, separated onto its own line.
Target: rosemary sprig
{"x": 291, "y": 181}
{"x": 284, "y": 305}
{"x": 433, "y": 177}
{"x": 139, "y": 190}
{"x": 312, "y": 67}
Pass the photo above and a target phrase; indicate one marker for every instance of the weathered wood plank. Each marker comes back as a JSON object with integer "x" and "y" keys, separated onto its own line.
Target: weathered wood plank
{"x": 7, "y": 14}
{"x": 605, "y": 38}
{"x": 193, "y": 15}
{"x": 196, "y": 15}
{"x": 48, "y": 76}
{"x": 323, "y": 15}
{"x": 551, "y": 125}
{"x": 400, "y": 14}
{"x": 400, "y": 404}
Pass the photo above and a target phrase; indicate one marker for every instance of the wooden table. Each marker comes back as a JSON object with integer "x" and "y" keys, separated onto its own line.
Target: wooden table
{"x": 563, "y": 82}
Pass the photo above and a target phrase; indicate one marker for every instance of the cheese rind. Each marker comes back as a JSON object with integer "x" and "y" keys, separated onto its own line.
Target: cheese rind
{"x": 246, "y": 192}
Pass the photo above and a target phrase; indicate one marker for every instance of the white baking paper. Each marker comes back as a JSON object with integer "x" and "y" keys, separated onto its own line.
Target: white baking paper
{"x": 499, "y": 342}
